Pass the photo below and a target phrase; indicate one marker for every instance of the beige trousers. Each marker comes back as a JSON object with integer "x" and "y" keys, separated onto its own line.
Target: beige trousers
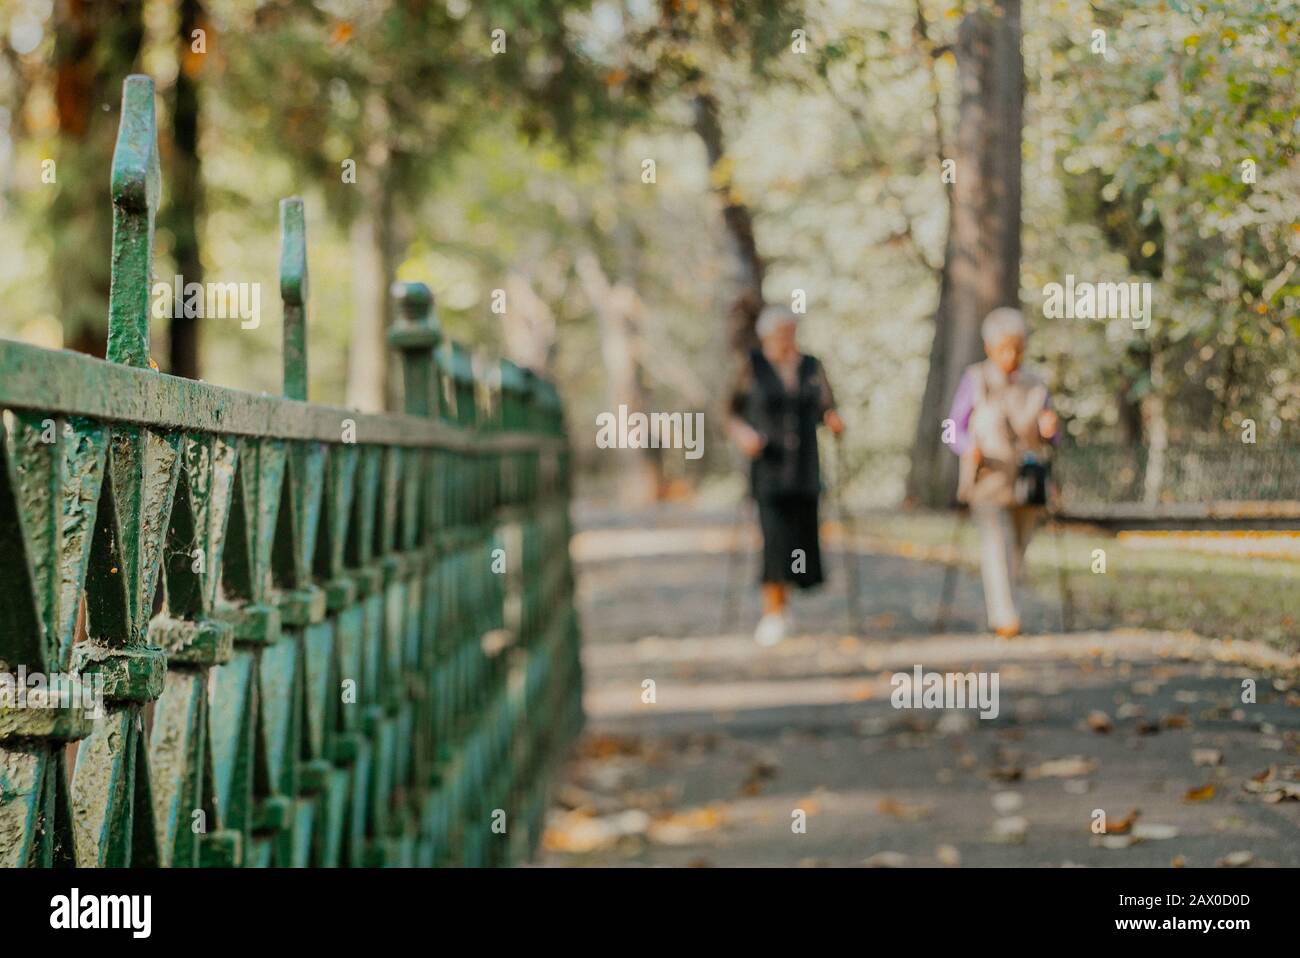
{"x": 1004, "y": 536}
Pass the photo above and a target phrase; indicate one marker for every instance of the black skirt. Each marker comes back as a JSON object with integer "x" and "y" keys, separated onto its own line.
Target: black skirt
{"x": 791, "y": 550}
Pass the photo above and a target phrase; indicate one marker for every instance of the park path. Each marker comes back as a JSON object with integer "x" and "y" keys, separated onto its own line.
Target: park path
{"x": 740, "y": 743}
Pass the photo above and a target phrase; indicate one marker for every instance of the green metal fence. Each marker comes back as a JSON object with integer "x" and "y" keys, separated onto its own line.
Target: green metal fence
{"x": 320, "y": 637}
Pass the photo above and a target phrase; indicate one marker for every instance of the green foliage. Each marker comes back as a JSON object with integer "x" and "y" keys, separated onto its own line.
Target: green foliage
{"x": 404, "y": 86}
{"x": 504, "y": 169}
{"x": 1176, "y": 150}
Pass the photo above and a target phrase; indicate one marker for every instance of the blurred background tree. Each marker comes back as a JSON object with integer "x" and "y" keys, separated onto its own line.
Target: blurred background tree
{"x": 797, "y": 152}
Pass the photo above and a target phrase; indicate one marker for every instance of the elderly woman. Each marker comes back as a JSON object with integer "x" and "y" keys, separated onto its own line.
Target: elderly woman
{"x": 779, "y": 401}
{"x": 1003, "y": 418}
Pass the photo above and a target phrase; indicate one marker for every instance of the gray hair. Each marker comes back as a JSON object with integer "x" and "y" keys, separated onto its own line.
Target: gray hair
{"x": 773, "y": 318}
{"x": 1003, "y": 321}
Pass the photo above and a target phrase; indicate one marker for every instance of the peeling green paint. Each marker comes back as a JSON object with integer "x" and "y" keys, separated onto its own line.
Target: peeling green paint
{"x": 301, "y": 616}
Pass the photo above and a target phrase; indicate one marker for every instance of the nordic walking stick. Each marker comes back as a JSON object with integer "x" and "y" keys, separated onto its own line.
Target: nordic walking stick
{"x": 950, "y": 572}
{"x": 1062, "y": 574}
{"x": 848, "y": 533}
{"x": 729, "y": 589}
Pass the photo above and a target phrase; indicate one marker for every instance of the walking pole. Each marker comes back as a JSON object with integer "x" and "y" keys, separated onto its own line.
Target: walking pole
{"x": 849, "y": 535}
{"x": 1062, "y": 573}
{"x": 950, "y": 572}
{"x": 729, "y": 589}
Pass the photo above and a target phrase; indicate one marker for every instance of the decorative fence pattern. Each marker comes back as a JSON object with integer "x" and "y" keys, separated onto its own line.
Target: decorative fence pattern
{"x": 323, "y": 638}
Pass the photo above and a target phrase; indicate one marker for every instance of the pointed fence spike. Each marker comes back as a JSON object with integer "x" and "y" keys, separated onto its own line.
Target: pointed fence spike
{"x": 136, "y": 190}
{"x": 293, "y": 296}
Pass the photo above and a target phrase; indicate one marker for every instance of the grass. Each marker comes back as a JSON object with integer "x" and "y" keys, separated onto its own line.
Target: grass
{"x": 1149, "y": 585}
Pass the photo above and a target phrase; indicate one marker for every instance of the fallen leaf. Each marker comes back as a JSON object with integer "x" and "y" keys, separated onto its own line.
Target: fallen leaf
{"x": 1072, "y": 766}
{"x": 1278, "y": 773}
{"x": 1099, "y": 721}
{"x": 811, "y": 806}
{"x": 1206, "y": 757}
{"x": 578, "y": 833}
{"x": 902, "y": 810}
{"x": 1202, "y": 794}
{"x": 886, "y": 860}
{"x": 763, "y": 770}
{"x": 1237, "y": 859}
{"x": 1275, "y": 784}
{"x": 1006, "y": 803}
{"x": 1122, "y": 826}
{"x": 1011, "y": 830}
{"x": 954, "y": 723}
{"x": 573, "y": 798}
{"x": 607, "y": 746}
{"x": 948, "y": 856}
{"x": 702, "y": 818}
{"x": 862, "y": 692}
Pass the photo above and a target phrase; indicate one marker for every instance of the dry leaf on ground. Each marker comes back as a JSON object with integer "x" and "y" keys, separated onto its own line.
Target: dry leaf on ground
{"x": 1072, "y": 766}
{"x": 948, "y": 856}
{"x": 1122, "y": 826}
{"x": 1099, "y": 721}
{"x": 577, "y": 833}
{"x": 1206, "y": 757}
{"x": 886, "y": 860}
{"x": 903, "y": 810}
{"x": 1011, "y": 830}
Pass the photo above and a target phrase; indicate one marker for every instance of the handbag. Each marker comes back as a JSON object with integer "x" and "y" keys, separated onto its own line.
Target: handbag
{"x": 1031, "y": 481}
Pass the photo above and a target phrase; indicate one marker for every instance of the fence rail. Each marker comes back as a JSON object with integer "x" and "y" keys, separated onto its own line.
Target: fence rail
{"x": 1252, "y": 484}
{"x": 319, "y": 637}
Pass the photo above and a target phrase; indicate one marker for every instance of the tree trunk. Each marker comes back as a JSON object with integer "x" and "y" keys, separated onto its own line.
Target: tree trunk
{"x": 739, "y": 223}
{"x": 367, "y": 348}
{"x": 1155, "y": 403}
{"x": 927, "y": 479}
{"x": 374, "y": 253}
{"x": 982, "y": 261}
{"x": 371, "y": 386}
{"x": 1129, "y": 406}
{"x": 1156, "y": 422}
{"x": 185, "y": 191}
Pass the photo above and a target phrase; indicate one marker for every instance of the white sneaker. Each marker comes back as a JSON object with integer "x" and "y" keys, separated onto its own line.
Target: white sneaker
{"x": 771, "y": 629}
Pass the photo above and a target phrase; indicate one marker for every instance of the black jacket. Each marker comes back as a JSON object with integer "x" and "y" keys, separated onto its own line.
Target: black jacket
{"x": 788, "y": 464}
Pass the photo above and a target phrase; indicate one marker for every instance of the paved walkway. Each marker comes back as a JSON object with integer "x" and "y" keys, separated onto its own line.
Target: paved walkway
{"x": 742, "y": 745}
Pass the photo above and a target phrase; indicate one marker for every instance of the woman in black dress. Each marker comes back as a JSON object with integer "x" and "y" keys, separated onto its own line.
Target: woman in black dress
{"x": 776, "y": 407}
